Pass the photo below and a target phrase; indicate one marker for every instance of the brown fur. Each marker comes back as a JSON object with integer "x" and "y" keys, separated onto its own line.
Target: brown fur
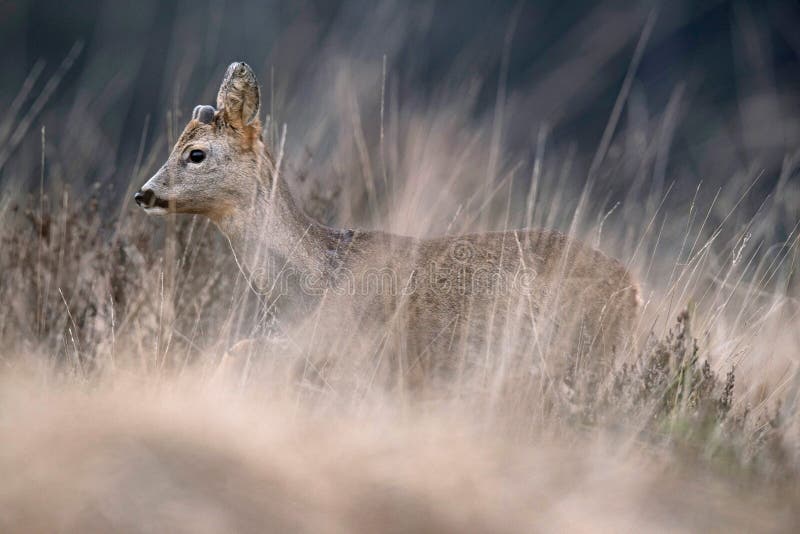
{"x": 571, "y": 302}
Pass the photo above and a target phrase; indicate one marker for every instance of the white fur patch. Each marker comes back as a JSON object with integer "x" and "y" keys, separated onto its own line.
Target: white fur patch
{"x": 155, "y": 210}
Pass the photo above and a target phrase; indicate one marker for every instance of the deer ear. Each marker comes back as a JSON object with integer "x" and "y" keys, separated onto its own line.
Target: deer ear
{"x": 239, "y": 96}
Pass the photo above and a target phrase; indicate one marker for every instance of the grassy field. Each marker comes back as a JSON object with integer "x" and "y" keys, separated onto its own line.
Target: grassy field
{"x": 118, "y": 411}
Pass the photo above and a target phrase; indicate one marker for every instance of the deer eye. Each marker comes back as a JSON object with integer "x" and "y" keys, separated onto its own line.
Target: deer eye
{"x": 196, "y": 156}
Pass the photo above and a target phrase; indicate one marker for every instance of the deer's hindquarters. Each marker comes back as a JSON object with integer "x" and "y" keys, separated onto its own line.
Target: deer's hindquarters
{"x": 526, "y": 300}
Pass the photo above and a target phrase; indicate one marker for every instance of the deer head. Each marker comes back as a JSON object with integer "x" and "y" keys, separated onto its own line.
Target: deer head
{"x": 219, "y": 158}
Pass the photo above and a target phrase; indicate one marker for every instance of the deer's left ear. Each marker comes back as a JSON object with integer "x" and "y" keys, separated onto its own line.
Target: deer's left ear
{"x": 239, "y": 97}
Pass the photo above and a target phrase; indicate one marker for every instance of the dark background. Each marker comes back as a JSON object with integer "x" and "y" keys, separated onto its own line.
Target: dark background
{"x": 738, "y": 64}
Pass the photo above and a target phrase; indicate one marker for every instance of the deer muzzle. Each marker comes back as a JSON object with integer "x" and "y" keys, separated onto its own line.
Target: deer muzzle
{"x": 147, "y": 199}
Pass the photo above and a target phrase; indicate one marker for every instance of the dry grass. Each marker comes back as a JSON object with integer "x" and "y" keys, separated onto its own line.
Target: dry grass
{"x": 117, "y": 414}
{"x": 133, "y": 454}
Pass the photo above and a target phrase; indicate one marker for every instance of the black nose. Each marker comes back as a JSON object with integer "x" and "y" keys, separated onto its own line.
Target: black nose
{"x": 146, "y": 199}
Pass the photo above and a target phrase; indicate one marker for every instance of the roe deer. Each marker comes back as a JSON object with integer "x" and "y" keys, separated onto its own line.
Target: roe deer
{"x": 432, "y": 305}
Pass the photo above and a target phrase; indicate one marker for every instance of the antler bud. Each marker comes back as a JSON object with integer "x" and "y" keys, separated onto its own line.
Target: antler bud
{"x": 204, "y": 114}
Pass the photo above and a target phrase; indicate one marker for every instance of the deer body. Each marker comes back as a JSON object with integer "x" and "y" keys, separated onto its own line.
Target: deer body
{"x": 430, "y": 306}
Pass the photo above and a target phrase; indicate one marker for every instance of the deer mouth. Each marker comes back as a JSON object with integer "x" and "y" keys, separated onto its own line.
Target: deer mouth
{"x": 148, "y": 201}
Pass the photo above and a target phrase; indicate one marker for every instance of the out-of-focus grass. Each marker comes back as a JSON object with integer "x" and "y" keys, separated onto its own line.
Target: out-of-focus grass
{"x": 135, "y": 452}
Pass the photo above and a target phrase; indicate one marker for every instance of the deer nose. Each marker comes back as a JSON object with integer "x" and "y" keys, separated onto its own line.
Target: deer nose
{"x": 146, "y": 199}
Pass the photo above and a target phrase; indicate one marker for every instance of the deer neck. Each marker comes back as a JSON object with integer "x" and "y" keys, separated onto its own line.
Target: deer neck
{"x": 271, "y": 234}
